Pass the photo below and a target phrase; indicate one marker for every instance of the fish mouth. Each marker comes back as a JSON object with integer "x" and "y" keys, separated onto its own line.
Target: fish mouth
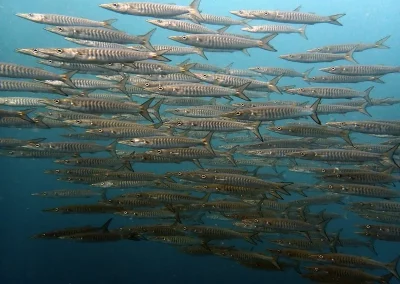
{"x": 22, "y": 15}
{"x": 175, "y": 38}
{"x": 49, "y": 29}
{"x": 106, "y": 6}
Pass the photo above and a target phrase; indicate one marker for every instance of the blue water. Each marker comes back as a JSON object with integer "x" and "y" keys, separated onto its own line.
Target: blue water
{"x": 25, "y": 260}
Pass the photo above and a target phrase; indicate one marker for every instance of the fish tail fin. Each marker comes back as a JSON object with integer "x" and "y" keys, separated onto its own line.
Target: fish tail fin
{"x": 127, "y": 164}
{"x": 349, "y": 56}
{"x": 213, "y": 101}
{"x": 156, "y": 110}
{"x": 380, "y": 43}
{"x": 200, "y": 51}
{"x": 66, "y": 78}
{"x": 321, "y": 227}
{"x": 392, "y": 267}
{"x": 144, "y": 109}
{"x": 346, "y": 137}
{"x": 185, "y": 69}
{"x": 240, "y": 92}
{"x": 245, "y": 22}
{"x": 302, "y": 31}
{"x": 37, "y": 140}
{"x": 334, "y": 19}
{"x": 207, "y": 142}
{"x": 112, "y": 148}
{"x": 194, "y": 10}
{"x": 145, "y": 40}
{"x": 23, "y": 114}
{"x": 223, "y": 29}
{"x": 371, "y": 246}
{"x": 272, "y": 84}
{"x": 197, "y": 163}
{"x": 228, "y": 67}
{"x": 388, "y": 155}
{"x": 385, "y": 279}
{"x": 103, "y": 196}
{"x": 160, "y": 55}
{"x": 104, "y": 227}
{"x": 248, "y": 237}
{"x": 363, "y": 109}
{"x": 306, "y": 73}
{"x": 121, "y": 85}
{"x": 377, "y": 79}
{"x": 314, "y": 108}
{"x": 184, "y": 62}
{"x": 206, "y": 197}
{"x": 108, "y": 24}
{"x": 255, "y": 128}
{"x": 265, "y": 42}
{"x": 367, "y": 92}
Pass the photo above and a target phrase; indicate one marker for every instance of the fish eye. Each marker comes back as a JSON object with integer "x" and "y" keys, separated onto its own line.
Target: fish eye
{"x": 204, "y": 75}
{"x": 60, "y": 29}
{"x": 115, "y": 4}
{"x": 302, "y": 89}
{"x": 102, "y": 183}
{"x": 147, "y": 84}
{"x": 179, "y": 123}
{"x": 368, "y": 226}
{"x": 35, "y": 50}
{"x": 159, "y": 21}
{"x": 179, "y": 173}
{"x": 185, "y": 228}
{"x": 258, "y": 68}
{"x": 50, "y": 61}
{"x": 313, "y": 78}
{"x": 343, "y": 123}
{"x": 100, "y": 130}
{"x": 238, "y": 113}
{"x": 30, "y": 15}
{"x": 302, "y": 154}
{"x": 78, "y": 121}
{"x": 159, "y": 151}
{"x": 203, "y": 176}
{"x": 125, "y": 212}
{"x": 323, "y": 170}
{"x": 279, "y": 128}
{"x": 56, "y": 209}
{"x": 59, "y": 50}
{"x": 330, "y": 186}
{"x": 240, "y": 12}
{"x": 57, "y": 171}
{"x": 184, "y": 37}
{"x": 333, "y": 68}
{"x": 266, "y": 13}
{"x": 160, "y": 88}
{"x": 37, "y": 145}
{"x": 321, "y": 256}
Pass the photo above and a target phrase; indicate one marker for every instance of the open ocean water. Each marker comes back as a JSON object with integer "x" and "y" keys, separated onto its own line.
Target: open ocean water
{"x": 27, "y": 260}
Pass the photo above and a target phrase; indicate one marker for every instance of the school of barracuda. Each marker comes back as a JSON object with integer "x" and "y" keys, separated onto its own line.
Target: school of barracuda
{"x": 140, "y": 109}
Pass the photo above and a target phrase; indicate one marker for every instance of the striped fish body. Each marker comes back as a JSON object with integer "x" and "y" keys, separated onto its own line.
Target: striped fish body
{"x": 162, "y": 142}
{"x": 370, "y": 127}
{"x": 97, "y": 34}
{"x": 338, "y": 155}
{"x": 183, "y": 153}
{"x": 194, "y": 112}
{"x": 95, "y": 106}
{"x": 271, "y": 153}
{"x": 296, "y": 17}
{"x": 25, "y": 86}
{"x": 221, "y": 41}
{"x": 182, "y": 26}
{"x": 212, "y": 19}
{"x": 19, "y": 71}
{"x": 269, "y": 113}
{"x": 82, "y": 68}
{"x": 361, "y": 190}
{"x": 62, "y": 20}
{"x": 314, "y": 57}
{"x": 102, "y": 44}
{"x": 21, "y": 101}
{"x": 99, "y": 55}
{"x": 192, "y": 90}
{"x": 342, "y": 79}
{"x": 366, "y": 177}
{"x": 125, "y": 132}
{"x": 277, "y": 71}
{"x": 282, "y": 224}
{"x": 171, "y": 77}
{"x": 85, "y": 209}
{"x": 70, "y": 147}
{"x": 186, "y": 102}
{"x": 100, "y": 123}
{"x": 148, "y": 9}
{"x": 280, "y": 29}
{"x": 362, "y": 70}
{"x": 68, "y": 193}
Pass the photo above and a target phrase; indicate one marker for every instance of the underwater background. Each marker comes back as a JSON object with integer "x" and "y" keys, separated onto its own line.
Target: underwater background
{"x": 26, "y": 260}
